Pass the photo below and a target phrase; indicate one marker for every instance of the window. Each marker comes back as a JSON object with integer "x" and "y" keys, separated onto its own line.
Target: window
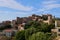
{"x": 59, "y": 30}
{"x": 22, "y": 25}
{"x": 59, "y": 34}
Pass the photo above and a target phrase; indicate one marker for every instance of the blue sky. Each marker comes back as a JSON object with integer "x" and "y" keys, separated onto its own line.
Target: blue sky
{"x": 10, "y": 9}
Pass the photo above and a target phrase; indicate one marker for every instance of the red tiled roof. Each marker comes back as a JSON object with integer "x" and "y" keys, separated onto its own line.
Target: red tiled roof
{"x": 8, "y": 30}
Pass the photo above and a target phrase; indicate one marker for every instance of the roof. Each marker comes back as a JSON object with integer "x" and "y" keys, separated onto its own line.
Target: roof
{"x": 8, "y": 30}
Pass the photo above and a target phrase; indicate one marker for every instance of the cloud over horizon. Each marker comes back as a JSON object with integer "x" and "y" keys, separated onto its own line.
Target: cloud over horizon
{"x": 9, "y": 9}
{"x": 14, "y": 5}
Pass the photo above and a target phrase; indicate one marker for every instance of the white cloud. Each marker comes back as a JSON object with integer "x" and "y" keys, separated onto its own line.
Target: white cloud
{"x": 51, "y": 6}
{"x": 48, "y": 2}
{"x": 16, "y": 14}
{"x": 14, "y": 5}
{"x": 10, "y": 12}
{"x": 48, "y": 5}
{"x": 8, "y": 15}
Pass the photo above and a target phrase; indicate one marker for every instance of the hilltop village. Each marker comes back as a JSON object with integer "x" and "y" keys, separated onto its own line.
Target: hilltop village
{"x": 9, "y": 28}
{"x": 18, "y": 23}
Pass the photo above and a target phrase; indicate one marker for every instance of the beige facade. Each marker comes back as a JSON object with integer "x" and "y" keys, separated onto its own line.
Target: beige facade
{"x": 49, "y": 20}
{"x": 21, "y": 27}
{"x": 57, "y": 28}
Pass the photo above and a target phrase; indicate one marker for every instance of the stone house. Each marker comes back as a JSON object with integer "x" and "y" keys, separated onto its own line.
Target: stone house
{"x": 57, "y": 28}
{"x": 9, "y": 32}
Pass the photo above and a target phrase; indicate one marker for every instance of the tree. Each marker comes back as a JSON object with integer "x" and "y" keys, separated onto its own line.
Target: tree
{"x": 24, "y": 35}
{"x": 40, "y": 26}
{"x": 5, "y": 27}
{"x": 51, "y": 26}
{"x": 4, "y": 38}
{"x": 38, "y": 36}
{"x": 20, "y": 35}
{"x": 29, "y": 32}
{"x": 35, "y": 30}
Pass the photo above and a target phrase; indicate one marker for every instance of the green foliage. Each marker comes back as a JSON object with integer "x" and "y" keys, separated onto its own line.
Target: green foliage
{"x": 44, "y": 27}
{"x": 57, "y": 18}
{"x": 38, "y": 36}
{"x": 40, "y": 26}
{"x": 5, "y": 27}
{"x": 20, "y": 35}
{"x": 51, "y": 26}
{"x": 4, "y": 38}
{"x": 8, "y": 26}
{"x": 35, "y": 30}
{"x": 48, "y": 36}
{"x": 29, "y": 32}
{"x": 32, "y": 24}
{"x": 53, "y": 36}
